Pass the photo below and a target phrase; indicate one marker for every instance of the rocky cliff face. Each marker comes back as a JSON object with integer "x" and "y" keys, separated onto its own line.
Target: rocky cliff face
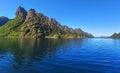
{"x": 21, "y": 13}
{"x": 31, "y": 14}
{"x": 35, "y": 25}
{"x": 3, "y": 20}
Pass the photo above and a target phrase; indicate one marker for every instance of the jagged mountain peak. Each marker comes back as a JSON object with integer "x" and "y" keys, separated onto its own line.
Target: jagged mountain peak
{"x": 30, "y": 14}
{"x": 36, "y": 25}
{"x": 21, "y": 12}
{"x": 32, "y": 10}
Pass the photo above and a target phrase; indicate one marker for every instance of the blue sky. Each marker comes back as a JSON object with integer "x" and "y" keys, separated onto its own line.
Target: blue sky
{"x": 99, "y": 17}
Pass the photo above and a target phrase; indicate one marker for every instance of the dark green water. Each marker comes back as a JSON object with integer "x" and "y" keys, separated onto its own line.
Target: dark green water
{"x": 96, "y": 55}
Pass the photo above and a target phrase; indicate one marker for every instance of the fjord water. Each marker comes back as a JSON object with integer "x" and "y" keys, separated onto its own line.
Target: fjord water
{"x": 97, "y": 55}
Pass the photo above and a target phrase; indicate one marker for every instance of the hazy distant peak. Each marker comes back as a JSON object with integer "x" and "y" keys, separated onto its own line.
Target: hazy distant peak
{"x": 3, "y": 20}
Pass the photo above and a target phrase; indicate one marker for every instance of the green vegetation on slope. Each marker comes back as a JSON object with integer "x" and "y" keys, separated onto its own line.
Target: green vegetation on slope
{"x": 11, "y": 28}
{"x": 35, "y": 25}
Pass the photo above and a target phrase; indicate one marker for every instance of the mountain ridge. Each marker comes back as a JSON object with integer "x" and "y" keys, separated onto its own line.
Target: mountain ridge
{"x": 30, "y": 24}
{"x": 115, "y": 35}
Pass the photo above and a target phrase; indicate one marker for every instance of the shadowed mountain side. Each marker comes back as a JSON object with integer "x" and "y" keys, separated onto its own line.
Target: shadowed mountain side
{"x": 116, "y": 35}
{"x": 3, "y": 20}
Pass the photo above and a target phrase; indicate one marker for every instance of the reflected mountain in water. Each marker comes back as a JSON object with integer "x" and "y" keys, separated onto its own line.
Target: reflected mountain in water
{"x": 26, "y": 51}
{"x": 97, "y": 55}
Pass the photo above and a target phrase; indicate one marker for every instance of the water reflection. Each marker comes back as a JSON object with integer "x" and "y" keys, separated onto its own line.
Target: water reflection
{"x": 59, "y": 55}
{"x": 25, "y": 51}
{"x": 20, "y": 54}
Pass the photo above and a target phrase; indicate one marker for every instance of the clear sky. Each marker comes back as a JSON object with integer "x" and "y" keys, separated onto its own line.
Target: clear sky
{"x": 99, "y": 17}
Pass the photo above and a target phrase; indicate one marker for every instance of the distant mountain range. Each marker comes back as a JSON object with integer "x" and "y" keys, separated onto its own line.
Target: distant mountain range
{"x": 116, "y": 35}
{"x": 35, "y": 25}
{"x": 3, "y": 20}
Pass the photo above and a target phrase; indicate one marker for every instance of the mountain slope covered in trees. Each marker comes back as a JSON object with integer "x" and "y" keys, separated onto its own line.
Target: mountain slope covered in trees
{"x": 35, "y": 25}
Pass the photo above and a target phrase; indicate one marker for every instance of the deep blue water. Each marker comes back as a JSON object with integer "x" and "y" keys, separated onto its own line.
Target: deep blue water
{"x": 97, "y": 55}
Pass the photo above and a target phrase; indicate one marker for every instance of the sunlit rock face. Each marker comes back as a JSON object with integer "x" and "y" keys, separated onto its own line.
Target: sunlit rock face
{"x": 31, "y": 24}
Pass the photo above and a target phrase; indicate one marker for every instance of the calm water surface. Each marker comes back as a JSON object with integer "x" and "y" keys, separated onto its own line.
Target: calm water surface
{"x": 96, "y": 55}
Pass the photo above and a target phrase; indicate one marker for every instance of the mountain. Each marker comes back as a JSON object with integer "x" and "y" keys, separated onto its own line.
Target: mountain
{"x": 35, "y": 25}
{"x": 116, "y": 35}
{"x": 3, "y": 20}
